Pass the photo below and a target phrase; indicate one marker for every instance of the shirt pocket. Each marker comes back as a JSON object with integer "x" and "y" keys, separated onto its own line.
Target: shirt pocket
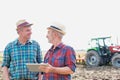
{"x": 15, "y": 56}
{"x": 59, "y": 62}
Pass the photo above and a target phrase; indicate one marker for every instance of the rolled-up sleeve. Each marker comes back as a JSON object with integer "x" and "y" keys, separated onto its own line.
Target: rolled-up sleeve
{"x": 6, "y": 57}
{"x": 70, "y": 59}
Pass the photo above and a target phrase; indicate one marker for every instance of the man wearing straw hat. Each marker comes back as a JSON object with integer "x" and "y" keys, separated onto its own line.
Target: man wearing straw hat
{"x": 60, "y": 57}
{"x": 19, "y": 52}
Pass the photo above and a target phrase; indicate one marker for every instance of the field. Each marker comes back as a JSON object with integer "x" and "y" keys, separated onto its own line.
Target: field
{"x": 1, "y": 56}
{"x": 98, "y": 73}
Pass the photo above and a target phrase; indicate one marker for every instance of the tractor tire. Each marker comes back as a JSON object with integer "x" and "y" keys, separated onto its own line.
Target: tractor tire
{"x": 92, "y": 59}
{"x": 116, "y": 61}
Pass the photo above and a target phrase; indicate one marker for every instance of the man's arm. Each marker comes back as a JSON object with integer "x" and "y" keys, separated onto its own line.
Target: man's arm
{"x": 6, "y": 63}
{"x": 58, "y": 70}
{"x": 6, "y": 73}
{"x": 62, "y": 70}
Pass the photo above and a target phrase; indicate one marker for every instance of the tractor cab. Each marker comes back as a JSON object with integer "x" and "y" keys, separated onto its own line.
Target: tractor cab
{"x": 101, "y": 45}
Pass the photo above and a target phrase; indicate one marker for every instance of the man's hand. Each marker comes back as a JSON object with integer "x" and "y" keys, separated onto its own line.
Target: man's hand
{"x": 46, "y": 69}
{"x": 5, "y": 73}
{"x": 7, "y": 79}
{"x": 39, "y": 77}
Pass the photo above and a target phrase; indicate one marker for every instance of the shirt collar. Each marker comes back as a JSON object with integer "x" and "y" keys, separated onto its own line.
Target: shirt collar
{"x": 57, "y": 47}
{"x": 17, "y": 42}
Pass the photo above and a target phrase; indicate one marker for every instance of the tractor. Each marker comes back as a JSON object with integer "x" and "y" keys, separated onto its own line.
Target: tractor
{"x": 102, "y": 52}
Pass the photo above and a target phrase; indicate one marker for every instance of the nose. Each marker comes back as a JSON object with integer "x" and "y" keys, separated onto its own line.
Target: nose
{"x": 30, "y": 32}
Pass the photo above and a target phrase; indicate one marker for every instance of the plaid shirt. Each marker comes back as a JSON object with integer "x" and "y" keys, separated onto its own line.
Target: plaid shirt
{"x": 17, "y": 55}
{"x": 61, "y": 56}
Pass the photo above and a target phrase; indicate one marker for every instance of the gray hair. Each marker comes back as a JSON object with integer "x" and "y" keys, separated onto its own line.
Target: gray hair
{"x": 60, "y": 35}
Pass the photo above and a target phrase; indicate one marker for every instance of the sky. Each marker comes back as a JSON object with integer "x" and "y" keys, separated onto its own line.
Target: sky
{"x": 83, "y": 19}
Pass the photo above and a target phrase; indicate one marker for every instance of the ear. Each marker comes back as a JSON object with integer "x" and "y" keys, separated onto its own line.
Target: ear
{"x": 17, "y": 30}
{"x": 55, "y": 33}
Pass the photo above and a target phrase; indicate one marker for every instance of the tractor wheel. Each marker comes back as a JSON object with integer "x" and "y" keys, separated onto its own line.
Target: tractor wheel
{"x": 92, "y": 59}
{"x": 116, "y": 61}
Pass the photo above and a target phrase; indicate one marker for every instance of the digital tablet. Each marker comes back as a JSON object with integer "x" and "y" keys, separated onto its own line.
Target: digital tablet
{"x": 34, "y": 67}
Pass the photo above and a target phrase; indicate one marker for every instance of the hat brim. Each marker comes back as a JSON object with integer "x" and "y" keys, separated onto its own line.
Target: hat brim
{"x": 57, "y": 30}
{"x": 24, "y": 25}
{"x": 28, "y": 25}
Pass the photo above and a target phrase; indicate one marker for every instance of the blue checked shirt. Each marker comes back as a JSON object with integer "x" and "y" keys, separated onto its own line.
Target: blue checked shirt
{"x": 17, "y": 55}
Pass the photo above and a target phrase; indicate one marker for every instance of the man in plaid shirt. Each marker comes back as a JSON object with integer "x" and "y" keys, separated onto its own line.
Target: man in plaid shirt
{"x": 19, "y": 52}
{"x": 60, "y": 57}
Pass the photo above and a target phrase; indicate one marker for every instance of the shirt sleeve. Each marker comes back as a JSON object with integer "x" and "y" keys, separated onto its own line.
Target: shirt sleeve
{"x": 70, "y": 59}
{"x": 6, "y": 57}
{"x": 39, "y": 54}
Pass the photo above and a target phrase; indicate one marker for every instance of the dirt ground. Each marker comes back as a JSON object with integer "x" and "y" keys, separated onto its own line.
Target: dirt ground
{"x": 97, "y": 73}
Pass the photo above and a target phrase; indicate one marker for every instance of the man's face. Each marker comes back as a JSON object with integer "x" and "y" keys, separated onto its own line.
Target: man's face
{"x": 50, "y": 35}
{"x": 25, "y": 32}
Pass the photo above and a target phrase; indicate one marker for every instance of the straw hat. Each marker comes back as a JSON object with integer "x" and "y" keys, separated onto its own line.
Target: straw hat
{"x": 57, "y": 27}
